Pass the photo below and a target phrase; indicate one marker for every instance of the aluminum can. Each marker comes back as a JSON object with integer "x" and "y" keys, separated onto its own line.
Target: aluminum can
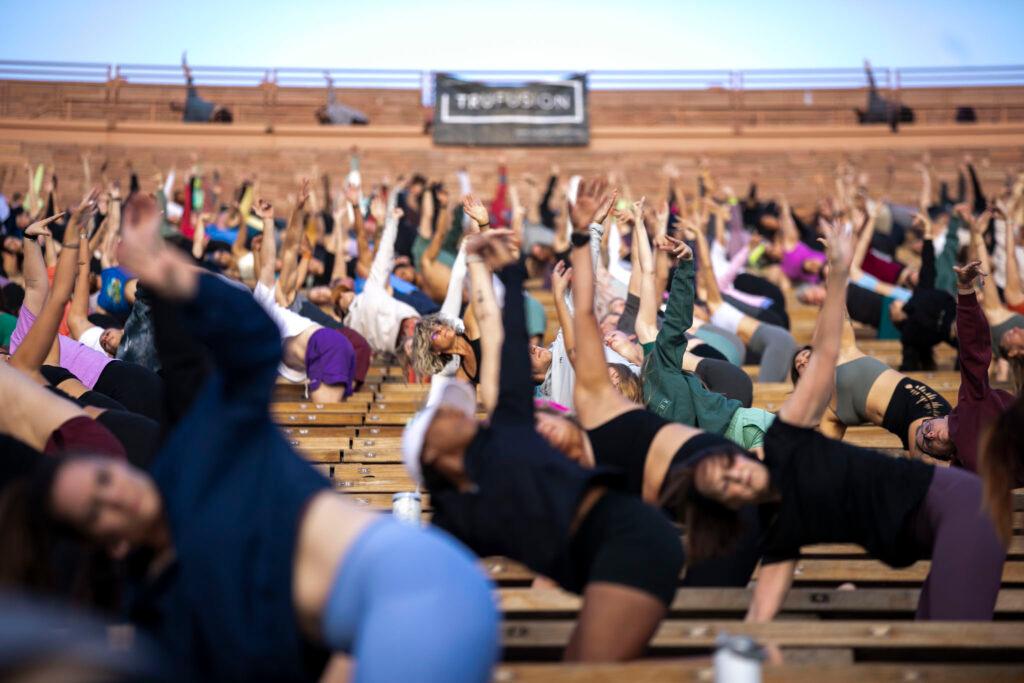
{"x": 406, "y": 507}
{"x": 737, "y": 659}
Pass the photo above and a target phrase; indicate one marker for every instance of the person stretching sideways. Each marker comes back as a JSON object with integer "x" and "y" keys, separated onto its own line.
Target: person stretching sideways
{"x": 228, "y": 512}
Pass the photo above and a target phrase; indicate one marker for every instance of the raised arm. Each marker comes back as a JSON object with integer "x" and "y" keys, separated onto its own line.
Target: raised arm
{"x": 488, "y": 317}
{"x": 291, "y": 241}
{"x": 593, "y": 393}
{"x": 926, "y": 279}
{"x": 503, "y": 345}
{"x": 647, "y": 314}
{"x": 199, "y": 238}
{"x": 974, "y": 336}
{"x": 670, "y": 344}
{"x": 561, "y": 277}
{"x": 268, "y": 245}
{"x": 787, "y": 226}
{"x": 813, "y": 392}
{"x": 78, "y": 314}
{"x": 867, "y": 232}
{"x": 40, "y": 338}
{"x": 243, "y": 342}
{"x": 381, "y": 266}
{"x": 979, "y": 252}
{"x": 37, "y": 284}
{"x": 1013, "y": 291}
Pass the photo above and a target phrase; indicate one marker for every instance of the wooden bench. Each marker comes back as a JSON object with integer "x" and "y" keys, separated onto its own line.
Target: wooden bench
{"x": 824, "y": 571}
{"x": 733, "y": 602}
{"x": 933, "y": 640}
{"x": 701, "y": 671}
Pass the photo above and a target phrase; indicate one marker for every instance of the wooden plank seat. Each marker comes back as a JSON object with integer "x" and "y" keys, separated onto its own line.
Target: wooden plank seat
{"x": 900, "y": 603}
{"x": 700, "y": 671}
{"x": 372, "y": 478}
{"x": 310, "y": 407}
{"x": 933, "y": 640}
{"x": 319, "y": 443}
{"x": 374, "y": 431}
{"x": 508, "y": 572}
{"x": 385, "y": 417}
{"x": 318, "y": 419}
{"x": 381, "y": 501}
{"x": 372, "y": 455}
{"x": 314, "y": 431}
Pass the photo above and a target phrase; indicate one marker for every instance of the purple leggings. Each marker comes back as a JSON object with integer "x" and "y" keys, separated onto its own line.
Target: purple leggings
{"x": 967, "y": 556}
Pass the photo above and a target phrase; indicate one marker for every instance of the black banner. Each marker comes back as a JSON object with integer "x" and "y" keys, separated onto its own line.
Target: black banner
{"x": 552, "y": 113}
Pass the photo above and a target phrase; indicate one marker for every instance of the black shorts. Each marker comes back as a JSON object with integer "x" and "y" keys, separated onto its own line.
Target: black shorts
{"x": 623, "y": 540}
{"x": 911, "y": 400}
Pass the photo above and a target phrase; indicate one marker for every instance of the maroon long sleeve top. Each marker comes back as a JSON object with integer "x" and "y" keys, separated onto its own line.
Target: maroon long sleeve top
{"x": 978, "y": 403}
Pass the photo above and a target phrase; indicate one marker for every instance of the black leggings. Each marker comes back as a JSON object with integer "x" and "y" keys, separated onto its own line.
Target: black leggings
{"x": 623, "y": 540}
{"x": 139, "y": 435}
{"x": 133, "y": 386}
{"x": 752, "y": 284}
{"x": 722, "y": 377}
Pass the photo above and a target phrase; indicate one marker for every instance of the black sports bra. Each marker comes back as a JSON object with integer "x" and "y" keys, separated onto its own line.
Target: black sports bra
{"x": 622, "y": 443}
{"x": 475, "y": 345}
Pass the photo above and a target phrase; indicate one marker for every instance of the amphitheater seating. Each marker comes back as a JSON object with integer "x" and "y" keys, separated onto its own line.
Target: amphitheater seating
{"x": 848, "y": 617}
{"x": 844, "y": 613}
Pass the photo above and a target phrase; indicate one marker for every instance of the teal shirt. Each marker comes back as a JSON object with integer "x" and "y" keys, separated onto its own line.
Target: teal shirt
{"x": 7, "y": 324}
{"x": 669, "y": 392}
{"x": 536, "y": 318}
{"x": 945, "y": 276}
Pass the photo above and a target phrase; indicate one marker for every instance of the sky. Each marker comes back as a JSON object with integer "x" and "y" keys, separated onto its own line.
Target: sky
{"x": 519, "y": 34}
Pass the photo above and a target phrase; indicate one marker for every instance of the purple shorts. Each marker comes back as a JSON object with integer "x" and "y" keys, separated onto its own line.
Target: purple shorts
{"x": 330, "y": 359}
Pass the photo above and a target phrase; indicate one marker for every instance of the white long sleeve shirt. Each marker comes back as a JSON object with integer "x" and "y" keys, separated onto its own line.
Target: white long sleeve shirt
{"x": 374, "y": 313}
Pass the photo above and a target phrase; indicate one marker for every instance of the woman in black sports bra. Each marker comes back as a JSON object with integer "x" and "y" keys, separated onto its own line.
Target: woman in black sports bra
{"x": 436, "y": 343}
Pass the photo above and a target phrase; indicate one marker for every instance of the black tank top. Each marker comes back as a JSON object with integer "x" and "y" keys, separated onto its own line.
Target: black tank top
{"x": 475, "y": 345}
{"x": 622, "y": 443}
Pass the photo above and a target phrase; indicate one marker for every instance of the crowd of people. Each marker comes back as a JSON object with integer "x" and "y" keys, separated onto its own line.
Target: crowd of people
{"x": 145, "y": 327}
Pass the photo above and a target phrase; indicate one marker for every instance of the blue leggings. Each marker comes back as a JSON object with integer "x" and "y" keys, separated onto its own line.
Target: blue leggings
{"x": 410, "y": 604}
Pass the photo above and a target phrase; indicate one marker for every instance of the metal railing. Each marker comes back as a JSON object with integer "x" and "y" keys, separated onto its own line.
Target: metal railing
{"x": 414, "y": 79}
{"x": 748, "y": 97}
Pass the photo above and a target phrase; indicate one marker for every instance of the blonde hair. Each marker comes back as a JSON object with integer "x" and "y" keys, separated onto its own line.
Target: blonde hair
{"x": 425, "y": 360}
{"x": 629, "y": 384}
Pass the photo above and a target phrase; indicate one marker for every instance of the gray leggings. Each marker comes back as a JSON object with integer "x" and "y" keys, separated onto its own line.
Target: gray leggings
{"x": 967, "y": 556}
{"x": 776, "y": 347}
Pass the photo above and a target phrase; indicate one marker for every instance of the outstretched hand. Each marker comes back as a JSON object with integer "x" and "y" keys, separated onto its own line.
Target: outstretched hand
{"x": 592, "y": 196}
{"x": 561, "y": 278}
{"x": 264, "y": 209}
{"x": 606, "y": 206}
{"x": 839, "y": 245}
{"x": 476, "y": 210}
{"x": 679, "y": 249}
{"x": 304, "y": 191}
{"x": 39, "y": 227}
{"x": 970, "y": 275}
{"x": 140, "y": 244}
{"x": 493, "y": 246}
